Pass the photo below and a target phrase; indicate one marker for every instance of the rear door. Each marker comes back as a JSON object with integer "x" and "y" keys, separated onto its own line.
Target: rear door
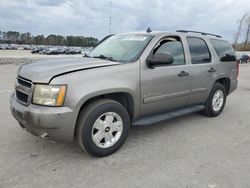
{"x": 202, "y": 70}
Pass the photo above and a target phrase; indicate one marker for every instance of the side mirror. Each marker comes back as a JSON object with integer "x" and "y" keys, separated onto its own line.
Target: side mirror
{"x": 160, "y": 59}
{"x": 228, "y": 57}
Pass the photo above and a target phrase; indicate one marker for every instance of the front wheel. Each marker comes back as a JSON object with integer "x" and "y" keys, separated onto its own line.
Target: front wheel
{"x": 216, "y": 101}
{"x": 103, "y": 127}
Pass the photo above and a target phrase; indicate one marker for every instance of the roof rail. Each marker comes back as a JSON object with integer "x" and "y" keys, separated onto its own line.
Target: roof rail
{"x": 203, "y": 33}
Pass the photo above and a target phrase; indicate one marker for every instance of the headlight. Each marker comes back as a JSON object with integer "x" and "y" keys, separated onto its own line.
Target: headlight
{"x": 49, "y": 95}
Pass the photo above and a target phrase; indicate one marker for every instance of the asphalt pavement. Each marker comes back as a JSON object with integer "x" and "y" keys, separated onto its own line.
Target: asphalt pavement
{"x": 192, "y": 151}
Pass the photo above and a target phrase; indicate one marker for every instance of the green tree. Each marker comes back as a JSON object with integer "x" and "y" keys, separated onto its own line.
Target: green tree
{"x": 27, "y": 38}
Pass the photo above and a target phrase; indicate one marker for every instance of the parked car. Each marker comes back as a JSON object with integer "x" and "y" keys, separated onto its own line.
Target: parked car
{"x": 26, "y": 48}
{"x": 73, "y": 51}
{"x": 44, "y": 51}
{"x": 7, "y": 47}
{"x": 37, "y": 50}
{"x": 52, "y": 51}
{"x": 245, "y": 58}
{"x": 128, "y": 79}
{"x": 62, "y": 50}
{"x": 11, "y": 47}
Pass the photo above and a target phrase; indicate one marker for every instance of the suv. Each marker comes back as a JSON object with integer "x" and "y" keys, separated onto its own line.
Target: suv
{"x": 128, "y": 79}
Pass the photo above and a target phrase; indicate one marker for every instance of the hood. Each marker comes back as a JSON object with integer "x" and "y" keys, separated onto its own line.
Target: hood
{"x": 44, "y": 70}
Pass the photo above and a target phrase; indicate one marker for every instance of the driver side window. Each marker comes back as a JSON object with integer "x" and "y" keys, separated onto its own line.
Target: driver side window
{"x": 173, "y": 48}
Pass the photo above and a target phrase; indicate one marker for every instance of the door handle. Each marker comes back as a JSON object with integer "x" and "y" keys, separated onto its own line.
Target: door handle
{"x": 183, "y": 73}
{"x": 212, "y": 70}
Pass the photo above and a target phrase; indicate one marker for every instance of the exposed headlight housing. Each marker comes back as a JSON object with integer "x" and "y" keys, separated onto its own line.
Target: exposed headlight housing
{"x": 49, "y": 95}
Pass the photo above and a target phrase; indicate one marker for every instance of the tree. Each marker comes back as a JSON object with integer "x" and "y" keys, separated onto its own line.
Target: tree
{"x": 27, "y": 38}
{"x": 239, "y": 30}
{"x": 1, "y": 35}
{"x": 24, "y": 38}
{"x": 38, "y": 40}
{"x": 247, "y": 31}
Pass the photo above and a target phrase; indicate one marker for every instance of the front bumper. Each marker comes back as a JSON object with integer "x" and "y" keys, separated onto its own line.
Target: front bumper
{"x": 55, "y": 123}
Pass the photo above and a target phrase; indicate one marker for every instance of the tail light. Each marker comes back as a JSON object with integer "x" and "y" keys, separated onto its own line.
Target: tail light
{"x": 238, "y": 68}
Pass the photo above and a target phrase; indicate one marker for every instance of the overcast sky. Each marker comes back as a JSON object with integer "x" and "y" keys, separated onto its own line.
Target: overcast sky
{"x": 91, "y": 17}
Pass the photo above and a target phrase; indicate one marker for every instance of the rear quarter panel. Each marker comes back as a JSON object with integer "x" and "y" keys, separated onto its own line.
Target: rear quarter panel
{"x": 225, "y": 69}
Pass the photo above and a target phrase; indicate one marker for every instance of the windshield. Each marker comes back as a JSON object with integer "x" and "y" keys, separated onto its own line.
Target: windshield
{"x": 123, "y": 48}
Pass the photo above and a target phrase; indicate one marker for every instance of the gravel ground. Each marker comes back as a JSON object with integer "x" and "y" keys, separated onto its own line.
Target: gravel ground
{"x": 16, "y": 61}
{"x": 192, "y": 151}
{"x": 25, "y": 56}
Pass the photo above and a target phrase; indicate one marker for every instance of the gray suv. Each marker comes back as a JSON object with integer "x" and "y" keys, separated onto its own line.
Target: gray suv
{"x": 128, "y": 79}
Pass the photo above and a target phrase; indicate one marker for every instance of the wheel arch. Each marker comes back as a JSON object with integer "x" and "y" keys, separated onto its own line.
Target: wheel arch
{"x": 225, "y": 81}
{"x": 124, "y": 98}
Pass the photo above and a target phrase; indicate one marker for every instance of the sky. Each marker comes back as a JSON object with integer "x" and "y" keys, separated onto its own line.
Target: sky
{"x": 91, "y": 17}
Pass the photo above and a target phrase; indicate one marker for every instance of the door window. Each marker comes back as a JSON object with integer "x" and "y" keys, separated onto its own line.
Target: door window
{"x": 198, "y": 50}
{"x": 223, "y": 49}
{"x": 173, "y": 48}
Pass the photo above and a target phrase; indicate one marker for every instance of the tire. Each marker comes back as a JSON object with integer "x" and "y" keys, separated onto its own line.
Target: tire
{"x": 102, "y": 139}
{"x": 214, "y": 110}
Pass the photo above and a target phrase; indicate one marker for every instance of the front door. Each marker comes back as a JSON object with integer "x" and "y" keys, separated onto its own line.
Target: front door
{"x": 165, "y": 88}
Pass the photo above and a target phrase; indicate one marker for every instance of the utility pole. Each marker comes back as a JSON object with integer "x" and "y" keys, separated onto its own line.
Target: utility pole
{"x": 110, "y": 16}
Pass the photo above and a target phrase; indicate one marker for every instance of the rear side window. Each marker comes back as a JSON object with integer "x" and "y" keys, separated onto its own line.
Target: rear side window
{"x": 223, "y": 50}
{"x": 198, "y": 50}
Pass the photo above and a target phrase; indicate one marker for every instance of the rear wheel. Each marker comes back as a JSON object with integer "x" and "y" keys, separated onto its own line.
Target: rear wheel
{"x": 216, "y": 101}
{"x": 103, "y": 127}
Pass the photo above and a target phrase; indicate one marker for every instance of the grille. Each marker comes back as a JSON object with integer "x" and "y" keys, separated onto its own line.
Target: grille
{"x": 23, "y": 90}
{"x": 22, "y": 96}
{"x": 24, "y": 83}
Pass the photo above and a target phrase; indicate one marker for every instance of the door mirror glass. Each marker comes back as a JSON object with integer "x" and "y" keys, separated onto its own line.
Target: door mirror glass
{"x": 172, "y": 47}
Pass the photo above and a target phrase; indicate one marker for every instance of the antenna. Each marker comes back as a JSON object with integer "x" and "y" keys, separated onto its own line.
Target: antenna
{"x": 110, "y": 16}
{"x": 149, "y": 30}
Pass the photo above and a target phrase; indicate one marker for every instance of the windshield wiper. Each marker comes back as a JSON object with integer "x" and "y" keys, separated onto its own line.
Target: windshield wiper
{"x": 104, "y": 57}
